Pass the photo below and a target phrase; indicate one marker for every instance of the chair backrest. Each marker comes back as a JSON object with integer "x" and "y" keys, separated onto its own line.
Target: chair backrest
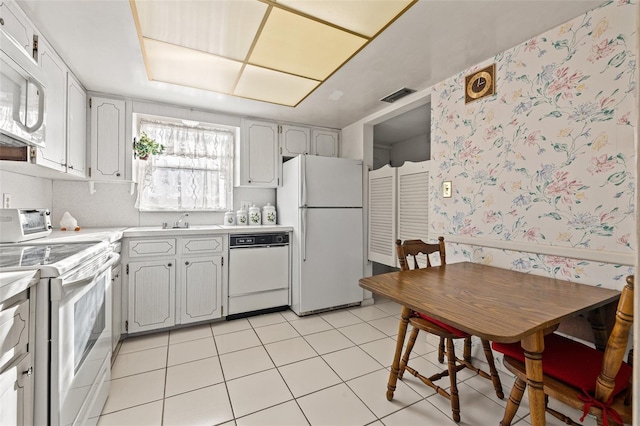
{"x": 617, "y": 343}
{"x": 415, "y": 248}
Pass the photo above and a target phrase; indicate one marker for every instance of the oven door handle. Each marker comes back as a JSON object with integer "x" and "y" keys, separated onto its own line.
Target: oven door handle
{"x": 111, "y": 260}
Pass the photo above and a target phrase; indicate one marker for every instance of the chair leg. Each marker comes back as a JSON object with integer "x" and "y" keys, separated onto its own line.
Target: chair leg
{"x": 466, "y": 355}
{"x": 495, "y": 378}
{"x": 451, "y": 364}
{"x": 407, "y": 352}
{"x": 514, "y": 402}
{"x": 441, "y": 350}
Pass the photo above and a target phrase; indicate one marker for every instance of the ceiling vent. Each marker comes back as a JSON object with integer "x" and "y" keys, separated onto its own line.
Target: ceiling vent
{"x": 398, "y": 94}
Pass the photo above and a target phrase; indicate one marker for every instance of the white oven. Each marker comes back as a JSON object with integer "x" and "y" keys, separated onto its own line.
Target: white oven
{"x": 80, "y": 366}
{"x": 72, "y": 367}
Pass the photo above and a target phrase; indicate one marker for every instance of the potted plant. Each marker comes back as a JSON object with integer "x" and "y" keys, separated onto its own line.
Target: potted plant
{"x": 145, "y": 146}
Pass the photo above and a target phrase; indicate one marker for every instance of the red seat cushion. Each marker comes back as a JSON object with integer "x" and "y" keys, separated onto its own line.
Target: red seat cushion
{"x": 447, "y": 327}
{"x": 569, "y": 361}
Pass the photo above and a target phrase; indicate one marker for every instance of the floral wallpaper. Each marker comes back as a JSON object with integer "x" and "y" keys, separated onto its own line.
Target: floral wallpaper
{"x": 550, "y": 158}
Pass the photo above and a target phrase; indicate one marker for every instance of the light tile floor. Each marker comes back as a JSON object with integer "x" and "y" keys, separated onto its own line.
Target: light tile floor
{"x": 279, "y": 369}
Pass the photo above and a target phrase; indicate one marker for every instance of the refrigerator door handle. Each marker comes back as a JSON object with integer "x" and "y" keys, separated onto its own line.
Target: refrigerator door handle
{"x": 303, "y": 239}
{"x": 303, "y": 180}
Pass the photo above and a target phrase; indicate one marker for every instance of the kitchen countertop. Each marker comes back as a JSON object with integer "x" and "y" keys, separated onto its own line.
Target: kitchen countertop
{"x": 109, "y": 235}
{"x": 12, "y": 283}
{"x": 157, "y": 231}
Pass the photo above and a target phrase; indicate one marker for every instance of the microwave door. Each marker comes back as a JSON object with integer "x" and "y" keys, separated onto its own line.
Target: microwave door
{"x": 34, "y": 107}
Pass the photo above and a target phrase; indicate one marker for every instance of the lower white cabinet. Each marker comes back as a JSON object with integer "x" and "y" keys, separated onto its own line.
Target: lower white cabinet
{"x": 201, "y": 289}
{"x": 152, "y": 289}
{"x": 17, "y": 344}
{"x": 174, "y": 281}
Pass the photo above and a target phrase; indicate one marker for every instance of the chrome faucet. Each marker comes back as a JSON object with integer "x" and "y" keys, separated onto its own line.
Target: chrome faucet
{"x": 177, "y": 223}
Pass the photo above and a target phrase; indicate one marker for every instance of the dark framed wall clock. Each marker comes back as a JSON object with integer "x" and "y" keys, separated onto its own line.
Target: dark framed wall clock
{"x": 480, "y": 84}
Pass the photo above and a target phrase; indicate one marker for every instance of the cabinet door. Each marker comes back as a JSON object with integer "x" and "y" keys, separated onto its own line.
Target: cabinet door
{"x": 76, "y": 128}
{"x": 16, "y": 24}
{"x": 16, "y": 393}
{"x": 325, "y": 142}
{"x": 107, "y": 139}
{"x": 54, "y": 154}
{"x": 259, "y": 155}
{"x": 200, "y": 289}
{"x": 116, "y": 303}
{"x": 294, "y": 140}
{"x": 152, "y": 289}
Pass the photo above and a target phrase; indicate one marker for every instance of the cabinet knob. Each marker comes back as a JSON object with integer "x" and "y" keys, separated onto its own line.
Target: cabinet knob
{"x": 70, "y": 166}
{"x": 1, "y": 21}
{"x": 118, "y": 174}
{"x": 186, "y": 263}
{"x": 28, "y": 372}
{"x": 169, "y": 265}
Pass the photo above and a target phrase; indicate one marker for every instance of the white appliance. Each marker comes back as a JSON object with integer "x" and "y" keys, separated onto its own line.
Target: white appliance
{"x": 22, "y": 91}
{"x": 24, "y": 224}
{"x": 321, "y": 198}
{"x": 73, "y": 327}
{"x": 258, "y": 273}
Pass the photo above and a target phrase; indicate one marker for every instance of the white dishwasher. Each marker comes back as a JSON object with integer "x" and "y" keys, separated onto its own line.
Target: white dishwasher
{"x": 259, "y": 277}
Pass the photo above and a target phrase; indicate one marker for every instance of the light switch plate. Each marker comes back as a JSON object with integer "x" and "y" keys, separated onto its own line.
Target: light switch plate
{"x": 6, "y": 200}
{"x": 244, "y": 205}
{"x": 446, "y": 189}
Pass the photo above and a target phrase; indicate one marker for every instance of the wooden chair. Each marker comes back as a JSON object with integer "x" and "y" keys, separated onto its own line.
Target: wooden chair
{"x": 578, "y": 375}
{"x": 447, "y": 333}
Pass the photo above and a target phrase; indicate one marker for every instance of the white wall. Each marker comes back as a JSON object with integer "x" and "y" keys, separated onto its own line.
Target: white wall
{"x": 414, "y": 149}
{"x": 26, "y": 191}
{"x": 113, "y": 205}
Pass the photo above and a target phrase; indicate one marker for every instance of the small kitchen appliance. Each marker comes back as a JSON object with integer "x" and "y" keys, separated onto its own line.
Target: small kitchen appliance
{"x": 18, "y": 225}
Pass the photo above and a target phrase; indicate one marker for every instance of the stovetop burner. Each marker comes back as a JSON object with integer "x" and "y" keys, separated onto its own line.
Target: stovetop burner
{"x": 58, "y": 257}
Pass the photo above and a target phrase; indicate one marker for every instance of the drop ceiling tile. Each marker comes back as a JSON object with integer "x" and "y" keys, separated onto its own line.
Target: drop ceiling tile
{"x": 225, "y": 28}
{"x": 365, "y": 17}
{"x": 272, "y": 86}
{"x": 301, "y": 46}
{"x": 192, "y": 68}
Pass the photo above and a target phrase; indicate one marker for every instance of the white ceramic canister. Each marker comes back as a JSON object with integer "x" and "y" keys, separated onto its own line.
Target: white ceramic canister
{"x": 269, "y": 215}
{"x": 229, "y": 218}
{"x": 241, "y": 217}
{"x": 254, "y": 215}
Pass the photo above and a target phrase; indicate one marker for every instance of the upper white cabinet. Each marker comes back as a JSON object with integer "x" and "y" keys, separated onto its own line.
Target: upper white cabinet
{"x": 258, "y": 160}
{"x": 15, "y": 23}
{"x": 66, "y": 122}
{"x": 297, "y": 140}
{"x": 108, "y": 139}
{"x": 294, "y": 140}
{"x": 76, "y": 127}
{"x": 325, "y": 142}
{"x": 54, "y": 154}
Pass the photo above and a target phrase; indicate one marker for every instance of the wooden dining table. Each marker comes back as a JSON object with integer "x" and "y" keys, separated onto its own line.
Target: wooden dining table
{"x": 492, "y": 303}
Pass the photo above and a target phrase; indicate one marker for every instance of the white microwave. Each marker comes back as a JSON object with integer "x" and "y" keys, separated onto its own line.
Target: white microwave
{"x": 22, "y": 91}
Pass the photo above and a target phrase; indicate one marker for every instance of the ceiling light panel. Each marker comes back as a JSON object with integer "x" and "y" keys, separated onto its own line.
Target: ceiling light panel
{"x": 188, "y": 67}
{"x": 365, "y": 17}
{"x": 275, "y": 51}
{"x": 301, "y": 46}
{"x": 225, "y": 28}
{"x": 273, "y": 86}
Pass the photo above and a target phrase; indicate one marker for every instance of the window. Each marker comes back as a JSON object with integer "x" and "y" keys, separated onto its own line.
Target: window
{"x": 195, "y": 171}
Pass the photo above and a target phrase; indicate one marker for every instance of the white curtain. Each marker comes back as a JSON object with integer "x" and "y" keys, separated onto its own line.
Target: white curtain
{"x": 195, "y": 171}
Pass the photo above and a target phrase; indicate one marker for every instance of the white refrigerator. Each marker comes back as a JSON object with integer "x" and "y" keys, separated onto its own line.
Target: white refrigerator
{"x": 321, "y": 198}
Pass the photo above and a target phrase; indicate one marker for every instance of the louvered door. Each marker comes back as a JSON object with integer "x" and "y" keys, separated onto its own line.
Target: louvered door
{"x": 382, "y": 216}
{"x": 413, "y": 202}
